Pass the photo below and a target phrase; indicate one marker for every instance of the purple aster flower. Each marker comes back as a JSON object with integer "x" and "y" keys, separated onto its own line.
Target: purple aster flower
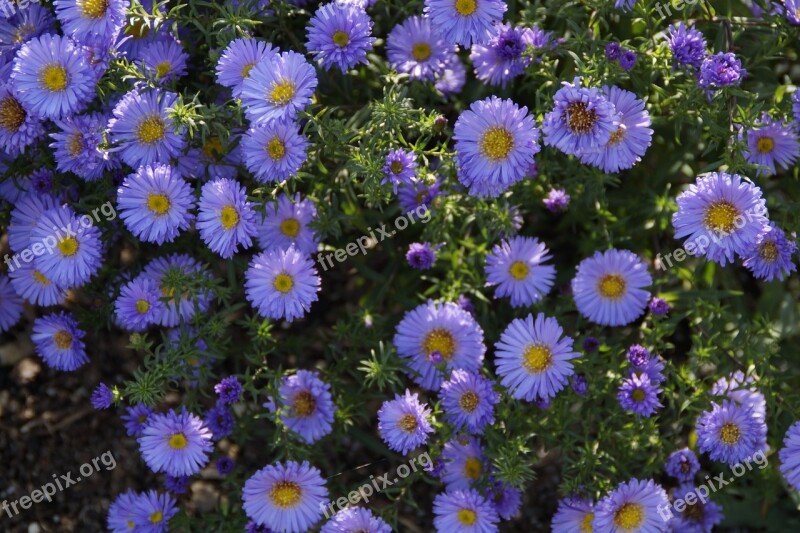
{"x": 84, "y": 18}
{"x": 239, "y": 58}
{"x": 102, "y": 397}
{"x": 609, "y": 287}
{"x": 340, "y": 34}
{"x": 771, "y": 143}
{"x": 574, "y": 515}
{"x": 355, "y": 519}
{"x": 413, "y": 48}
{"x": 721, "y": 70}
{"x": 287, "y": 223}
{"x": 495, "y": 141}
{"x": 730, "y": 433}
{"x": 176, "y": 484}
{"x": 792, "y": 11}
{"x": 403, "y": 423}
{"x": 722, "y": 215}
{"x": 533, "y": 358}
{"x": 688, "y": 46}
{"x": 51, "y": 78}
{"x": 34, "y": 286}
{"x": 613, "y": 51}
{"x": 25, "y": 217}
{"x": 464, "y": 463}
{"x": 465, "y": 21}
{"x": 590, "y": 344}
{"x": 698, "y": 517}
{"x": 154, "y": 203}
{"x": 789, "y": 456}
{"x": 506, "y": 499}
{"x": 466, "y": 304}
{"x": 282, "y": 284}
{"x": 771, "y": 256}
{"x": 274, "y": 151}
{"x": 638, "y": 356}
{"x": 400, "y": 168}
{"x": 286, "y": 497}
{"x": 639, "y": 396}
{"x": 516, "y": 267}
{"x": 135, "y": 419}
{"x": 632, "y": 506}
{"x": 421, "y": 255}
{"x": 633, "y": 137}
{"x": 439, "y": 327}
{"x": 278, "y": 87}
{"x": 220, "y": 420}
{"x": 18, "y": 128}
{"x": 557, "y": 200}
{"x": 503, "y": 57}
{"x": 164, "y": 60}
{"x": 20, "y": 24}
{"x": 57, "y": 338}
{"x": 420, "y": 193}
{"x": 307, "y": 406}
{"x": 464, "y": 511}
{"x": 682, "y": 465}
{"x": 225, "y": 217}
{"x": 177, "y": 444}
{"x": 142, "y": 129}
{"x": 468, "y": 400}
{"x": 627, "y": 60}
{"x": 740, "y": 388}
{"x": 452, "y": 79}
{"x": 579, "y": 384}
{"x": 225, "y": 465}
{"x": 229, "y": 390}
{"x": 78, "y": 146}
{"x": 658, "y": 306}
{"x": 169, "y": 273}
{"x": 152, "y": 512}
{"x": 582, "y": 120}
{"x": 120, "y": 512}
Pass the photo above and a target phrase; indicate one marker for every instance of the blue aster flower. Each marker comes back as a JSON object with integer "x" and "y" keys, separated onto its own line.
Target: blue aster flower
{"x": 658, "y": 306}
{"x": 420, "y": 255}
{"x": 175, "y": 443}
{"x": 282, "y": 284}
{"x": 57, "y": 338}
{"x": 78, "y": 146}
{"x": 414, "y": 195}
{"x": 353, "y": 519}
{"x": 286, "y": 497}
{"x": 464, "y": 463}
{"x": 102, "y": 397}
{"x": 722, "y": 215}
{"x": 730, "y": 433}
{"x": 220, "y": 420}
{"x": 505, "y": 56}
{"x": 142, "y": 129}
{"x": 414, "y": 48}
{"x": 609, "y": 287}
{"x": 164, "y": 60}
{"x": 238, "y": 60}
{"x": 792, "y": 11}
{"x": 287, "y": 222}
{"x": 229, "y": 390}
{"x": 404, "y": 423}
{"x": 465, "y": 511}
{"x": 10, "y": 305}
{"x": 340, "y": 35}
{"x": 35, "y": 287}
{"x": 627, "y": 60}
{"x": 51, "y": 77}
{"x": 225, "y": 465}
{"x": 613, "y": 51}
{"x": 308, "y": 409}
{"x": 719, "y": 70}
{"x": 698, "y": 517}
{"x": 582, "y": 120}
{"x": 21, "y": 26}
{"x": 465, "y": 21}
{"x": 574, "y": 515}
{"x": 139, "y": 304}
{"x": 468, "y": 400}
{"x": 506, "y": 499}
{"x": 515, "y": 266}
{"x": 439, "y": 331}
{"x": 771, "y": 256}
{"x": 177, "y": 484}
{"x": 789, "y": 456}
{"x": 121, "y": 511}
{"x": 25, "y": 216}
{"x": 278, "y": 88}
{"x": 639, "y": 396}
{"x": 400, "y": 168}
{"x": 632, "y": 506}
{"x": 452, "y": 79}
{"x": 771, "y": 143}
{"x": 688, "y": 46}
{"x": 682, "y": 465}
{"x": 495, "y": 141}
{"x": 135, "y": 419}
{"x": 225, "y": 217}
{"x": 84, "y": 18}
{"x": 18, "y": 128}
{"x": 274, "y": 151}
{"x": 533, "y": 358}
{"x": 557, "y": 200}
{"x": 166, "y": 271}
{"x": 152, "y": 512}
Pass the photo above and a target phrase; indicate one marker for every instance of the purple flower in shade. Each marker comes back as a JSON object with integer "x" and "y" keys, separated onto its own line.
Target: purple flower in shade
{"x": 698, "y": 517}
{"x": 688, "y": 46}
{"x": 400, "y": 168}
{"x": 164, "y": 270}
{"x": 789, "y": 456}
{"x": 653, "y": 368}
{"x": 504, "y": 56}
{"x": 557, "y": 200}
{"x": 730, "y": 433}
{"x": 722, "y": 215}
{"x": 226, "y": 218}
{"x": 627, "y": 60}
{"x": 682, "y": 465}
{"x": 506, "y": 499}
{"x": 464, "y": 511}
{"x": 796, "y": 109}
{"x": 468, "y": 400}
{"x": 632, "y": 506}
{"x": 582, "y": 119}
{"x": 225, "y": 465}
{"x": 638, "y": 356}
{"x": 609, "y": 287}
{"x": 613, "y": 51}
{"x": 721, "y": 70}
{"x": 102, "y": 397}
{"x": 229, "y": 390}
{"x": 152, "y": 512}
{"x": 355, "y": 519}
{"x": 340, "y": 35}
{"x": 413, "y": 196}
{"x": 403, "y": 423}
{"x": 80, "y": 145}
{"x": 639, "y": 396}
{"x": 740, "y": 388}
{"x": 464, "y": 463}
{"x": 590, "y": 344}
{"x": 307, "y": 406}
{"x": 451, "y": 80}
{"x": 439, "y": 327}
{"x": 412, "y": 47}
{"x": 792, "y": 11}
{"x": 177, "y": 444}
{"x": 135, "y": 419}
{"x": 282, "y": 284}
{"x": 220, "y": 421}
{"x": 542, "y": 403}
{"x": 120, "y": 512}
{"x": 579, "y": 384}
{"x": 658, "y": 306}
{"x": 421, "y": 255}
{"x": 574, "y": 515}
{"x": 771, "y": 256}
{"x": 466, "y": 304}
{"x": 18, "y": 127}
{"x": 466, "y": 21}
{"x": 176, "y": 484}
{"x": 58, "y": 340}
{"x": 771, "y": 143}
{"x": 10, "y": 305}
{"x": 625, "y": 5}
{"x": 164, "y": 61}
{"x": 533, "y": 358}
{"x": 517, "y": 268}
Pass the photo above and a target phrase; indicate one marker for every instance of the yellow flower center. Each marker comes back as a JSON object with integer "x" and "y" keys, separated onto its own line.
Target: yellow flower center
{"x": 612, "y": 286}
{"x": 229, "y": 217}
{"x": 94, "y": 9}
{"x": 496, "y": 143}
{"x": 466, "y": 8}
{"x": 439, "y": 340}
{"x": 396, "y": 167}
{"x": 629, "y": 517}
{"x": 579, "y": 119}
{"x": 467, "y": 516}
{"x": 282, "y": 93}
{"x": 246, "y": 70}
{"x": 765, "y": 145}
{"x": 407, "y": 423}
{"x": 304, "y": 404}
{"x": 212, "y": 147}
{"x": 472, "y": 468}
{"x": 39, "y": 277}
{"x": 721, "y": 216}
{"x": 617, "y": 136}
{"x": 341, "y": 39}
{"x": 75, "y": 144}
{"x": 468, "y": 401}
{"x": 768, "y": 251}
{"x": 163, "y": 68}
{"x": 637, "y": 395}
{"x": 156, "y": 517}
{"x": 68, "y": 246}
{"x": 151, "y": 130}
{"x": 276, "y": 148}
{"x": 290, "y": 227}
{"x": 519, "y": 270}
{"x": 12, "y": 114}
{"x": 54, "y": 78}
{"x": 63, "y": 339}
{"x": 421, "y": 51}
{"x": 283, "y": 283}
{"x": 729, "y": 434}
{"x": 285, "y": 494}
{"x": 158, "y": 203}
{"x": 537, "y": 358}
{"x": 23, "y": 32}
{"x": 142, "y": 306}
{"x": 586, "y": 523}
{"x": 178, "y": 441}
